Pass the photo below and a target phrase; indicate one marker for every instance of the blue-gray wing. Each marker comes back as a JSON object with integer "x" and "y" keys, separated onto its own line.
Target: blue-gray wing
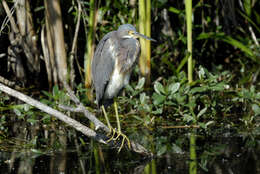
{"x": 102, "y": 65}
{"x": 130, "y": 55}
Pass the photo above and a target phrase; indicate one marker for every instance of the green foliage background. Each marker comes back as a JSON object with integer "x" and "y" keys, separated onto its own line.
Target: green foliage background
{"x": 224, "y": 96}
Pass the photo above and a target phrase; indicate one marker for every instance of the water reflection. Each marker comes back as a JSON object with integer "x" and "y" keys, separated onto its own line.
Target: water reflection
{"x": 231, "y": 160}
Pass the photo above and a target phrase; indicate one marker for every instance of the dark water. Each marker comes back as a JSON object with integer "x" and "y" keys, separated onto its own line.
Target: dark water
{"x": 229, "y": 158}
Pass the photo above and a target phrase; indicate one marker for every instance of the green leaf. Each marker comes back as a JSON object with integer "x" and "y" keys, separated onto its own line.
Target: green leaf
{"x": 247, "y": 7}
{"x": 146, "y": 107}
{"x": 202, "y": 112}
{"x": 198, "y": 89}
{"x": 82, "y": 141}
{"x": 218, "y": 87}
{"x": 170, "y": 103}
{"x": 140, "y": 83}
{"x": 138, "y": 118}
{"x": 176, "y": 149}
{"x": 46, "y": 118}
{"x": 40, "y": 8}
{"x": 239, "y": 45}
{"x": 158, "y": 111}
{"x": 174, "y": 10}
{"x": 47, "y": 94}
{"x": 55, "y": 90}
{"x": 32, "y": 121}
{"x": 142, "y": 98}
{"x": 181, "y": 99}
{"x": 250, "y": 20}
{"x": 188, "y": 118}
{"x": 174, "y": 87}
{"x": 26, "y": 107}
{"x": 229, "y": 40}
{"x": 183, "y": 62}
{"x": 17, "y": 112}
{"x": 208, "y": 35}
{"x": 162, "y": 150}
{"x": 182, "y": 76}
{"x": 257, "y": 96}
{"x": 45, "y": 101}
{"x": 158, "y": 99}
{"x": 158, "y": 87}
{"x": 209, "y": 123}
{"x": 256, "y": 109}
{"x": 37, "y": 151}
{"x": 201, "y": 73}
{"x": 202, "y": 125}
{"x": 257, "y": 17}
{"x": 129, "y": 88}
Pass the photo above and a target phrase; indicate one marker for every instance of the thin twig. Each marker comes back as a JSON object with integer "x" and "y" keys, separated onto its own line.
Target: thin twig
{"x": 46, "y": 55}
{"x": 180, "y": 127}
{"x": 76, "y": 29}
{"x": 6, "y": 20}
{"x": 74, "y": 45}
{"x": 253, "y": 35}
{"x": 11, "y": 19}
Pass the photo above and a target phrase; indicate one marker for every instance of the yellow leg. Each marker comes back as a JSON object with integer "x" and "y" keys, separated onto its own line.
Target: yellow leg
{"x": 119, "y": 133}
{"x": 113, "y": 131}
{"x": 117, "y": 117}
{"x": 105, "y": 114}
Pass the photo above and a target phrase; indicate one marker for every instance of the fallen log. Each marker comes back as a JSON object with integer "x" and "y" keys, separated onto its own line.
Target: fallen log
{"x": 101, "y": 138}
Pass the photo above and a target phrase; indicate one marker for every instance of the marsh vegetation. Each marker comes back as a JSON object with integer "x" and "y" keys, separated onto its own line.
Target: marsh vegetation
{"x": 193, "y": 101}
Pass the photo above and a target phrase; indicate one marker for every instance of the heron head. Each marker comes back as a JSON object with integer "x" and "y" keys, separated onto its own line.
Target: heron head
{"x": 129, "y": 31}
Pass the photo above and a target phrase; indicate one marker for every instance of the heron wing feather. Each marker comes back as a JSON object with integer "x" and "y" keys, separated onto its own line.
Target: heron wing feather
{"x": 130, "y": 55}
{"x": 102, "y": 65}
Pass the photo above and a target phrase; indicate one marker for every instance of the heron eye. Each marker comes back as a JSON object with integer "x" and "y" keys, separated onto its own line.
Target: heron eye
{"x": 130, "y": 32}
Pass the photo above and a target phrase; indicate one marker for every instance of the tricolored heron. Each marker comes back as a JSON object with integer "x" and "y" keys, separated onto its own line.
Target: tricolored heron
{"x": 114, "y": 59}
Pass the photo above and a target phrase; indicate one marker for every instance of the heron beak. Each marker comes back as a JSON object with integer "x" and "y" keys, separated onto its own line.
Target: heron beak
{"x": 136, "y": 34}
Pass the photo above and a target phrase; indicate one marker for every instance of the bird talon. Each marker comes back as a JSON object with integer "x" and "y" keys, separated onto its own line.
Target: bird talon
{"x": 115, "y": 137}
{"x": 123, "y": 142}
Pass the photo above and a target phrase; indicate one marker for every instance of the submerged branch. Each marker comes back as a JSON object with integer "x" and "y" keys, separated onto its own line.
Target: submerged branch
{"x": 136, "y": 147}
{"x": 73, "y": 123}
{"x": 81, "y": 108}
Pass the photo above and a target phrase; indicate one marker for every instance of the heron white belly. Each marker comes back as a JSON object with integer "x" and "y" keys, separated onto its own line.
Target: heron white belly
{"x": 117, "y": 82}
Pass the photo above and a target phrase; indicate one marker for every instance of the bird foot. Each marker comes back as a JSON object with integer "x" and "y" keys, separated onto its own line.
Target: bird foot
{"x": 116, "y": 136}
